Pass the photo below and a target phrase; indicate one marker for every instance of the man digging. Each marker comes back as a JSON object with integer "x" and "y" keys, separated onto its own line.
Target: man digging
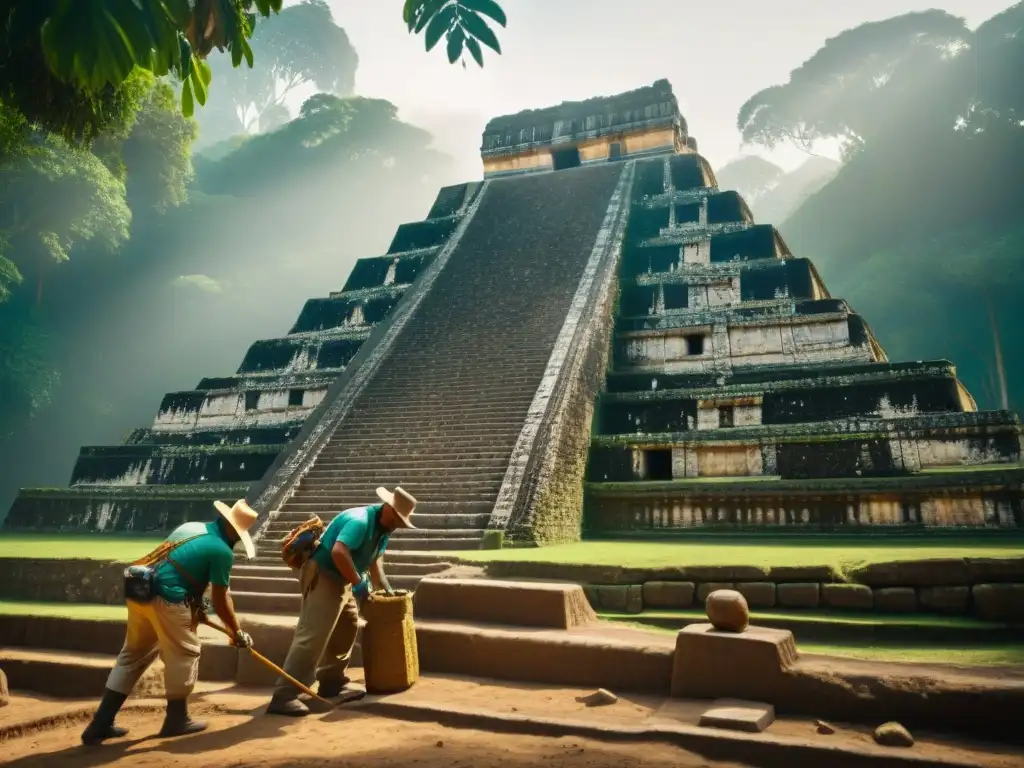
{"x": 164, "y": 596}
{"x": 332, "y": 580}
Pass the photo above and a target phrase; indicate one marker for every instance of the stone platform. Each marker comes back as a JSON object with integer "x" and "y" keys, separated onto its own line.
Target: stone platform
{"x": 760, "y": 665}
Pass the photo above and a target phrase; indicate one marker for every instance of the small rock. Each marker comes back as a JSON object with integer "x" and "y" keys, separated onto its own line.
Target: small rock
{"x": 893, "y": 735}
{"x": 439, "y": 744}
{"x": 728, "y": 611}
{"x": 598, "y": 698}
{"x": 4, "y": 692}
{"x": 824, "y": 728}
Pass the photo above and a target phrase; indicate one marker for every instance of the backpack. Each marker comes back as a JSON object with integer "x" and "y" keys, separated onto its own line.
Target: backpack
{"x": 140, "y": 577}
{"x": 299, "y": 545}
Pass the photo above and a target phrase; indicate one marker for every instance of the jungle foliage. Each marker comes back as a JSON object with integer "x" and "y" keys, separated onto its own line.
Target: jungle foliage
{"x": 920, "y": 229}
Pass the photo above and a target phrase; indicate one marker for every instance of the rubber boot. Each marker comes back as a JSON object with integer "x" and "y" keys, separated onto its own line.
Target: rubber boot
{"x": 177, "y": 722}
{"x": 102, "y": 726}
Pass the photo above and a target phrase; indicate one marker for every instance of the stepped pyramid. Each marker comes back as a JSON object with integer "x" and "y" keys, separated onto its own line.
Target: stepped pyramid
{"x": 594, "y": 336}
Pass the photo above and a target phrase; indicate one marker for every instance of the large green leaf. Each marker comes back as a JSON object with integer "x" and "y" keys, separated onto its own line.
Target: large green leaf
{"x": 477, "y": 27}
{"x": 474, "y": 48}
{"x": 487, "y": 8}
{"x": 440, "y": 24}
{"x": 456, "y": 41}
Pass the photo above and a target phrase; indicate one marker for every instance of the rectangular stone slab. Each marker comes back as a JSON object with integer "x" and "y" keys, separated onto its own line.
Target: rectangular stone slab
{"x": 734, "y": 715}
{"x": 749, "y": 665}
{"x": 525, "y": 604}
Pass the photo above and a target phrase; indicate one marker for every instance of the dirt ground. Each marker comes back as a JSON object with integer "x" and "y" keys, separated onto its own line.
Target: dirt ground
{"x": 240, "y": 735}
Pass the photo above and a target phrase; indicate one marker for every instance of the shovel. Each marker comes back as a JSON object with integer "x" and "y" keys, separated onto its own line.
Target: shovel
{"x": 268, "y": 663}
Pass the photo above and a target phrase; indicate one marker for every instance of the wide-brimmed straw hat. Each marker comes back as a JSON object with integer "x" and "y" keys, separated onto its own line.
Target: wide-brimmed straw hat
{"x": 240, "y": 517}
{"x": 401, "y": 501}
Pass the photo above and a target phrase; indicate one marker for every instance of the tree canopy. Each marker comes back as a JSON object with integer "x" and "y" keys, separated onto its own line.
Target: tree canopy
{"x": 70, "y": 66}
{"x": 838, "y": 92}
{"x": 303, "y": 44}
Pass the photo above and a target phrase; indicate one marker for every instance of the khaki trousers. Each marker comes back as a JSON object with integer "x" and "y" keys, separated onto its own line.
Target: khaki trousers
{"x": 325, "y": 634}
{"x": 164, "y": 629}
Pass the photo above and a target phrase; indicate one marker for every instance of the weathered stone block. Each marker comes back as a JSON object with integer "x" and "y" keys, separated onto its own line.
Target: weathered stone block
{"x": 759, "y": 594}
{"x": 626, "y": 599}
{"x": 748, "y": 716}
{"x": 848, "y": 597}
{"x": 939, "y": 572}
{"x": 820, "y": 573}
{"x": 896, "y": 600}
{"x": 668, "y": 594}
{"x": 727, "y": 573}
{"x": 999, "y": 602}
{"x": 752, "y": 665}
{"x": 703, "y": 590}
{"x": 515, "y": 603}
{"x": 995, "y": 570}
{"x": 952, "y": 600}
{"x": 796, "y": 595}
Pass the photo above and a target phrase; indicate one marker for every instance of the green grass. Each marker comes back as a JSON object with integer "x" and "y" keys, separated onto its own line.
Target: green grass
{"x": 68, "y": 546}
{"x": 975, "y": 654}
{"x": 64, "y": 610}
{"x": 1001, "y": 655}
{"x": 816, "y": 617}
{"x": 766, "y": 550}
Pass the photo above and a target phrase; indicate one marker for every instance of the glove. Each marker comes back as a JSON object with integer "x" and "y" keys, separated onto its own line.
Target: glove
{"x": 242, "y": 639}
{"x": 361, "y": 591}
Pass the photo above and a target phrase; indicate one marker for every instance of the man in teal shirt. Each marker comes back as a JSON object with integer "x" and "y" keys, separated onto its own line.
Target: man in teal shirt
{"x": 200, "y": 555}
{"x": 348, "y": 557}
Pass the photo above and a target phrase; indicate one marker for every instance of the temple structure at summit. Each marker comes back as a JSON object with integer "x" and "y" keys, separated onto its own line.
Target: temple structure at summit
{"x": 595, "y": 337}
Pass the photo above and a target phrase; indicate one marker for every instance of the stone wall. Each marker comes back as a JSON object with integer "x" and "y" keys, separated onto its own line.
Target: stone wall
{"x": 991, "y": 589}
{"x": 61, "y": 581}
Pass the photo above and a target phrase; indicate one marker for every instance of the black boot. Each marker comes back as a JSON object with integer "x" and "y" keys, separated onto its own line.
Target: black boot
{"x": 102, "y": 726}
{"x": 178, "y": 722}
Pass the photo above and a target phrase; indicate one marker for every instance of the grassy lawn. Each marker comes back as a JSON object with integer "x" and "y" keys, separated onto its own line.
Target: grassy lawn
{"x": 765, "y": 550}
{"x": 1002, "y": 655}
{"x": 83, "y": 546}
{"x": 798, "y": 617}
{"x": 979, "y": 654}
{"x": 65, "y": 610}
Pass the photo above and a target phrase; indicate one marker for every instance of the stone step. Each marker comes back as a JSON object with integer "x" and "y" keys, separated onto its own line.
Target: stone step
{"x": 343, "y": 500}
{"x": 287, "y": 584}
{"x": 69, "y": 674}
{"x": 267, "y": 602}
{"x": 401, "y": 428}
{"x": 402, "y": 568}
{"x": 402, "y": 534}
{"x": 343, "y": 473}
{"x": 400, "y": 462}
{"x": 279, "y": 528}
{"x": 444, "y": 407}
{"x": 440, "y": 544}
{"x": 411, "y": 440}
{"x": 398, "y": 555}
{"x": 280, "y": 571}
{"x": 299, "y": 510}
{"x": 421, "y": 489}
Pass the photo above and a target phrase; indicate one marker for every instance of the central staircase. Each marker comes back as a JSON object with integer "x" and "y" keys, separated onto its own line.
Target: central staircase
{"x": 442, "y": 413}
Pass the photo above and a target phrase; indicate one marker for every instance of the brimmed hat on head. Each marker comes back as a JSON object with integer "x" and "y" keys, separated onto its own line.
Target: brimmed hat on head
{"x": 401, "y": 501}
{"x": 240, "y": 517}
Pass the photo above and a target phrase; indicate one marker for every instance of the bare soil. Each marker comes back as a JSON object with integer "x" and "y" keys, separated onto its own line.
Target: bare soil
{"x": 241, "y": 735}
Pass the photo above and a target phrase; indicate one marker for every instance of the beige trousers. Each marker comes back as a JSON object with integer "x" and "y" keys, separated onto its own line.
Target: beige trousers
{"x": 325, "y": 635}
{"x": 164, "y": 629}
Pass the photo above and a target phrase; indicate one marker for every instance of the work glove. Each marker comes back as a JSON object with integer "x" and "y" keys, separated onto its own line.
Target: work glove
{"x": 242, "y": 639}
{"x": 361, "y": 591}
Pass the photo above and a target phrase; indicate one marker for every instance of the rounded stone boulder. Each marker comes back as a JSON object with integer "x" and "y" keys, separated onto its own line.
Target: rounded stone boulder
{"x": 727, "y": 610}
{"x": 4, "y": 693}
